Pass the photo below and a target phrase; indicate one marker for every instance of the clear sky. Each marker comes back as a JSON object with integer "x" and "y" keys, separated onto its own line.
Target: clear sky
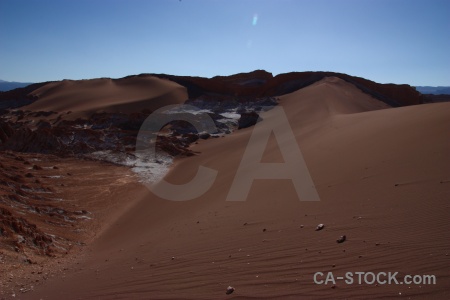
{"x": 399, "y": 41}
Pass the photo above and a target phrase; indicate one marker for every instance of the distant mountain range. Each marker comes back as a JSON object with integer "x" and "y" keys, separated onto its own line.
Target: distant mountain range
{"x": 435, "y": 90}
{"x": 10, "y": 85}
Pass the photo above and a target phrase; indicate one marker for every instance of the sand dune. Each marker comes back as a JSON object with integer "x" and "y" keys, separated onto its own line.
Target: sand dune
{"x": 126, "y": 95}
{"x": 383, "y": 179}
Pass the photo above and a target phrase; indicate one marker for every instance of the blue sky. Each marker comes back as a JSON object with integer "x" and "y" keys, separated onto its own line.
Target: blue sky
{"x": 399, "y": 41}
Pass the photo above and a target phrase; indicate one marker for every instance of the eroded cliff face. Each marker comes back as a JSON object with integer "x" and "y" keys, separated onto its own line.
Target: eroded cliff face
{"x": 260, "y": 83}
{"x": 392, "y": 94}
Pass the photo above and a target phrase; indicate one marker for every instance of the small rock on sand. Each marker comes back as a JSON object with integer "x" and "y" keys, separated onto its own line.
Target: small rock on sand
{"x": 341, "y": 239}
{"x": 320, "y": 227}
{"x": 230, "y": 289}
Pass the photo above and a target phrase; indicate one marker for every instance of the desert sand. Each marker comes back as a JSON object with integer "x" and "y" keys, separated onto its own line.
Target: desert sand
{"x": 383, "y": 178}
{"x": 85, "y": 97}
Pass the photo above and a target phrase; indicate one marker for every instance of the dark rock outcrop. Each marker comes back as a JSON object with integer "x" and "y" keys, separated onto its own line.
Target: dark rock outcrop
{"x": 248, "y": 119}
{"x": 19, "y": 232}
{"x": 6, "y": 131}
{"x": 257, "y": 84}
{"x": 26, "y": 140}
{"x": 20, "y": 96}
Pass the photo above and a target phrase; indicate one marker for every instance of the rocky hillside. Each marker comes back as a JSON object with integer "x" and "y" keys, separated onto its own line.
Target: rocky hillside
{"x": 263, "y": 84}
{"x": 250, "y": 85}
{"x": 81, "y": 117}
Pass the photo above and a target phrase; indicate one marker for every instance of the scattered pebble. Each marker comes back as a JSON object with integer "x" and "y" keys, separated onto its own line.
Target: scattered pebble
{"x": 230, "y": 289}
{"x": 341, "y": 239}
{"x": 320, "y": 227}
{"x": 264, "y": 230}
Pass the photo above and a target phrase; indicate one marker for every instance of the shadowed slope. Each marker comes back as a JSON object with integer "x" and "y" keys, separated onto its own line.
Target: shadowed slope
{"x": 126, "y": 95}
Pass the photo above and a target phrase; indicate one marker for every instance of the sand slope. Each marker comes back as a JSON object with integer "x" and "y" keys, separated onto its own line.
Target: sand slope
{"x": 125, "y": 95}
{"x": 383, "y": 179}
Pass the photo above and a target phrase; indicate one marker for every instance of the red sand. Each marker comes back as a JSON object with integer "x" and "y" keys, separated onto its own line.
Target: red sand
{"x": 126, "y": 95}
{"x": 383, "y": 178}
